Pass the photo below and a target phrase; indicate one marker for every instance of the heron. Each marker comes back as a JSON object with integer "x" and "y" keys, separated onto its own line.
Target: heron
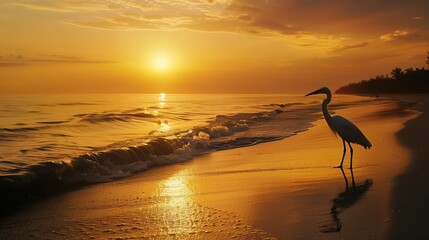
{"x": 348, "y": 132}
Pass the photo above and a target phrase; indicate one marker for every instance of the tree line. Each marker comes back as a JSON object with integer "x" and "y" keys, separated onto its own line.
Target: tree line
{"x": 410, "y": 80}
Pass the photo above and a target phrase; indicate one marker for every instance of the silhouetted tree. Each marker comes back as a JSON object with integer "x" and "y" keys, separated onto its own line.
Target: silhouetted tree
{"x": 408, "y": 71}
{"x": 427, "y": 59}
{"x": 411, "y": 81}
{"x": 397, "y": 73}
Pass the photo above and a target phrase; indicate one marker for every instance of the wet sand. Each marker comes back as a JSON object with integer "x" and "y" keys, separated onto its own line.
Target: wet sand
{"x": 410, "y": 194}
{"x": 286, "y": 189}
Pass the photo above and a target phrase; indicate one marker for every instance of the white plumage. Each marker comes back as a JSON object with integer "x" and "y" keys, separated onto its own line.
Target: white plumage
{"x": 344, "y": 128}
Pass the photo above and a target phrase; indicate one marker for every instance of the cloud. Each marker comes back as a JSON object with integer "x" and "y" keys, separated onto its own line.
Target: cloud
{"x": 42, "y": 7}
{"x": 19, "y": 59}
{"x": 353, "y": 46}
{"x": 283, "y": 18}
{"x": 397, "y": 34}
{"x": 67, "y": 59}
{"x": 64, "y": 6}
{"x": 11, "y": 64}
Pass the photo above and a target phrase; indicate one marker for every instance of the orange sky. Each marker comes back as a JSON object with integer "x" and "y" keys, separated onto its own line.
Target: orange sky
{"x": 217, "y": 46}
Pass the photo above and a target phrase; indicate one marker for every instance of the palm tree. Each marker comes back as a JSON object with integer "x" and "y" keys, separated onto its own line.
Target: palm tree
{"x": 397, "y": 73}
{"x": 427, "y": 61}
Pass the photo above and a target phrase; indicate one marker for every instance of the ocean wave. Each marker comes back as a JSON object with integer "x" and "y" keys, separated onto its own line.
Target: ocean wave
{"x": 67, "y": 104}
{"x": 52, "y": 122}
{"x": 282, "y": 105}
{"x": 23, "y": 129}
{"x": 50, "y": 177}
{"x": 115, "y": 117}
{"x": 8, "y": 136}
{"x": 125, "y": 158}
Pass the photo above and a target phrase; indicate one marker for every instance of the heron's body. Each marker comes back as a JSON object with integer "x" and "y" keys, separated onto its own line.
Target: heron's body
{"x": 344, "y": 128}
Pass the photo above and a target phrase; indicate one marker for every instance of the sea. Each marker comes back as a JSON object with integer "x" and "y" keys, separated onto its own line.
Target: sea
{"x": 51, "y": 142}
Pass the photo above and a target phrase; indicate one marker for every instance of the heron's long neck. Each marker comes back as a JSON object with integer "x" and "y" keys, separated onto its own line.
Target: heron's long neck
{"x": 325, "y": 109}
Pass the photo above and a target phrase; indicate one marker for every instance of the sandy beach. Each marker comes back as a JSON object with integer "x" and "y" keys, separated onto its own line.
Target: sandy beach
{"x": 410, "y": 193}
{"x": 287, "y": 189}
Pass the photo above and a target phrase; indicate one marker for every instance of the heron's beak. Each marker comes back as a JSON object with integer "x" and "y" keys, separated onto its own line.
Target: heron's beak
{"x": 315, "y": 92}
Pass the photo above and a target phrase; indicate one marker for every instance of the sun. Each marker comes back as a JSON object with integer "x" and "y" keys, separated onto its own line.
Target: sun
{"x": 161, "y": 63}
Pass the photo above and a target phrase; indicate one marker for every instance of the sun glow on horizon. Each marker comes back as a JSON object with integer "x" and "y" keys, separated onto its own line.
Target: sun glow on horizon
{"x": 161, "y": 63}
{"x": 204, "y": 46}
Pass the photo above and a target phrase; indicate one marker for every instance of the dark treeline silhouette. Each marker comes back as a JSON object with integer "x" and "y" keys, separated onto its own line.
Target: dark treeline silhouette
{"x": 408, "y": 81}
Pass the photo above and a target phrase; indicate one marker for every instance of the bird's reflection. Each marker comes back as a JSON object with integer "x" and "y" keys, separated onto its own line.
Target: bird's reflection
{"x": 349, "y": 197}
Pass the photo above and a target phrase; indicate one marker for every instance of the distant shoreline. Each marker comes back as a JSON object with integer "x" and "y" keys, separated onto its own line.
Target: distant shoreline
{"x": 410, "y": 81}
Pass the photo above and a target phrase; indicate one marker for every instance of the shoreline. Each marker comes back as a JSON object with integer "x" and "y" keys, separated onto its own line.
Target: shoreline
{"x": 280, "y": 189}
{"x": 410, "y": 194}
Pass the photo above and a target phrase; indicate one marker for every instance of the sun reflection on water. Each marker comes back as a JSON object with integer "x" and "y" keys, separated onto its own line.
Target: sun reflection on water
{"x": 162, "y": 97}
{"x": 175, "y": 186}
{"x": 178, "y": 213}
{"x": 162, "y": 100}
{"x": 179, "y": 216}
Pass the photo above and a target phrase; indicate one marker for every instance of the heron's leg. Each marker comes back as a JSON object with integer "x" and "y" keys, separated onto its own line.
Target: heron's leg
{"x": 345, "y": 179}
{"x": 344, "y": 153}
{"x": 351, "y": 156}
{"x": 353, "y": 178}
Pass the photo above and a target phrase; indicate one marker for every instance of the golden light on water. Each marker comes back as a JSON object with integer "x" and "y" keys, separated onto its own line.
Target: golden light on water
{"x": 162, "y": 100}
{"x": 162, "y": 97}
{"x": 164, "y": 126}
{"x": 177, "y": 189}
{"x": 177, "y": 208}
{"x": 176, "y": 186}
